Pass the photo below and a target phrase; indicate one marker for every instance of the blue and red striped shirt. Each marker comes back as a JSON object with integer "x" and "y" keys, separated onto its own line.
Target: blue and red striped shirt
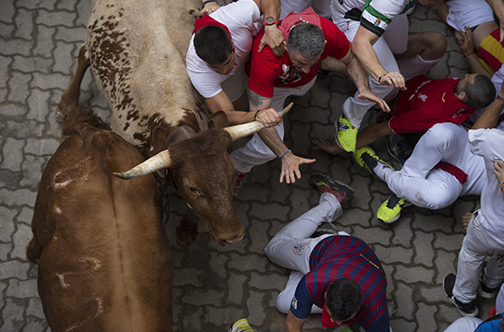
{"x": 345, "y": 257}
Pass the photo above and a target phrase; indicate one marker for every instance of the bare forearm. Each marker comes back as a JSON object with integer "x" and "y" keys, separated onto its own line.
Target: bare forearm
{"x": 367, "y": 57}
{"x": 476, "y": 65}
{"x": 358, "y": 75}
{"x": 270, "y": 8}
{"x": 273, "y": 141}
{"x": 491, "y": 115}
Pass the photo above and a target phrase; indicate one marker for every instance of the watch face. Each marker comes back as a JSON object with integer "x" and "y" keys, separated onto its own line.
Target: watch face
{"x": 270, "y": 20}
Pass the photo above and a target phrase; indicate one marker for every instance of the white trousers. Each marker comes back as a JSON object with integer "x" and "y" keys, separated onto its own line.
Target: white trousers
{"x": 499, "y": 303}
{"x": 476, "y": 246}
{"x": 256, "y": 152}
{"x": 464, "y": 324}
{"x": 292, "y": 246}
{"x": 393, "y": 41}
{"x": 435, "y": 188}
{"x": 321, "y": 7}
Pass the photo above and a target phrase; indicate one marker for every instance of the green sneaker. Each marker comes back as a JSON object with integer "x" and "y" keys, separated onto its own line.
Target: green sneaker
{"x": 367, "y": 159}
{"x": 346, "y": 136}
{"x": 390, "y": 210}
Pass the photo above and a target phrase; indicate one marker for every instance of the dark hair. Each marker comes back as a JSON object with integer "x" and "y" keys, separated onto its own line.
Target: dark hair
{"x": 212, "y": 44}
{"x": 480, "y": 93}
{"x": 306, "y": 39}
{"x": 343, "y": 298}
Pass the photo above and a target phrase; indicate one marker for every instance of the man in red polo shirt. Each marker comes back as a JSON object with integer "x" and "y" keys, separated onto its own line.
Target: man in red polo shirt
{"x": 310, "y": 40}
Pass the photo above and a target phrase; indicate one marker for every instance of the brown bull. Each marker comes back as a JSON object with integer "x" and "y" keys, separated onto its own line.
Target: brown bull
{"x": 137, "y": 52}
{"x": 104, "y": 261}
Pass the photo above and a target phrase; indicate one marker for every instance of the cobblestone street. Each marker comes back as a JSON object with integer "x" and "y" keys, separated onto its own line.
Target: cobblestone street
{"x": 214, "y": 286}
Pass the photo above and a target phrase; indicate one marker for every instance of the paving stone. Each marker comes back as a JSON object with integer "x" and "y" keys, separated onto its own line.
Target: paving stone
{"x": 25, "y": 215}
{"x": 4, "y": 70}
{"x": 32, "y": 171}
{"x": 55, "y": 18}
{"x": 36, "y": 4}
{"x": 24, "y": 24}
{"x": 5, "y": 249}
{"x": 186, "y": 276}
{"x": 21, "y": 238}
{"x": 12, "y": 154}
{"x": 35, "y": 308}
{"x": 445, "y": 263}
{"x": 41, "y": 147}
{"x": 413, "y": 274}
{"x": 402, "y": 325}
{"x": 63, "y": 53}
{"x": 22, "y": 289}
{"x": 44, "y": 43}
{"x": 236, "y": 285}
{"x": 425, "y": 317}
{"x": 17, "y": 197}
{"x": 6, "y": 225}
{"x": 30, "y": 64}
{"x": 34, "y": 325}
{"x": 23, "y": 129}
{"x": 255, "y": 308}
{"x": 13, "y": 269}
{"x": 15, "y": 47}
{"x": 72, "y": 34}
{"x": 12, "y": 316}
{"x": 259, "y": 238}
{"x": 8, "y": 12}
{"x": 3, "y": 95}
{"x": 67, "y": 5}
{"x": 406, "y": 307}
{"x": 424, "y": 250}
{"x": 372, "y": 235}
{"x": 215, "y": 316}
{"x": 441, "y": 241}
{"x": 18, "y": 84}
{"x": 50, "y": 81}
{"x": 203, "y": 298}
{"x": 394, "y": 254}
{"x": 248, "y": 263}
{"x": 265, "y": 282}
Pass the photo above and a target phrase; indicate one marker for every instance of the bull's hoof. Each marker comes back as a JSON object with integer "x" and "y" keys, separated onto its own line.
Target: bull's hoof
{"x": 60, "y": 118}
{"x": 187, "y": 231}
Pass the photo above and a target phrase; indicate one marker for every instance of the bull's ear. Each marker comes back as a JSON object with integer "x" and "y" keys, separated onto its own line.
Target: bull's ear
{"x": 158, "y": 138}
{"x": 218, "y": 119}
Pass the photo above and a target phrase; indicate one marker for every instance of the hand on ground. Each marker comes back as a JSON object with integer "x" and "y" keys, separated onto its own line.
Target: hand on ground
{"x": 466, "y": 218}
{"x": 290, "y": 167}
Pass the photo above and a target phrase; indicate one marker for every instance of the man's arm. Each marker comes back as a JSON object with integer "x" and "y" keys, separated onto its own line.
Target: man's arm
{"x": 221, "y": 102}
{"x": 498, "y": 9}
{"x": 290, "y": 162}
{"x": 362, "y": 47}
{"x": 209, "y": 7}
{"x": 294, "y": 324}
{"x": 360, "y": 79}
{"x": 273, "y": 37}
{"x": 491, "y": 115}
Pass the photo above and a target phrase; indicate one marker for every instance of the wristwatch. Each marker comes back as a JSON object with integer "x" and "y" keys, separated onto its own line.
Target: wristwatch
{"x": 270, "y": 20}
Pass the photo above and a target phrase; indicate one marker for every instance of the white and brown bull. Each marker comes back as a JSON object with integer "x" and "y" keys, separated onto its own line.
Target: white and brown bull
{"x": 104, "y": 261}
{"x": 137, "y": 52}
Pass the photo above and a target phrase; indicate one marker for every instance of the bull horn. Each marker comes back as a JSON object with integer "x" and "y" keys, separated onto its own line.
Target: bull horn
{"x": 154, "y": 163}
{"x": 250, "y": 128}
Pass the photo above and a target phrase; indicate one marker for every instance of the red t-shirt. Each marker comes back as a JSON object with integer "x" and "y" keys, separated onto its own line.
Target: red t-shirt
{"x": 267, "y": 71}
{"x": 427, "y": 102}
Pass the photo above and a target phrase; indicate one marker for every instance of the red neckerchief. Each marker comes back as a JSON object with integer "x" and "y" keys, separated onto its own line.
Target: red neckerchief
{"x": 292, "y": 19}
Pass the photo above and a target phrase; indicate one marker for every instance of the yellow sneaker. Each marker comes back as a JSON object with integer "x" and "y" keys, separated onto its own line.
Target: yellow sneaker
{"x": 367, "y": 159}
{"x": 391, "y": 209}
{"x": 346, "y": 137}
{"x": 241, "y": 326}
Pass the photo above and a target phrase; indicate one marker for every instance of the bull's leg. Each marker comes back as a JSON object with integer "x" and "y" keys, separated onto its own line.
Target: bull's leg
{"x": 188, "y": 228}
{"x": 70, "y": 97}
{"x": 34, "y": 250}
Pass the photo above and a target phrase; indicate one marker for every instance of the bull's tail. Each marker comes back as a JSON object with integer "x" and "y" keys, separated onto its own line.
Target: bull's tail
{"x": 69, "y": 110}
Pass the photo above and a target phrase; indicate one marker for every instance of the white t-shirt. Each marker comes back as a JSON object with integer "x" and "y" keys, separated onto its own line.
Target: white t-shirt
{"x": 244, "y": 20}
{"x": 376, "y": 16}
{"x": 489, "y": 143}
{"x": 468, "y": 13}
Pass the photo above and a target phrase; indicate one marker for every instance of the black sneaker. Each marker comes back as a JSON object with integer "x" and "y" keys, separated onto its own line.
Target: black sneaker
{"x": 483, "y": 290}
{"x": 326, "y": 228}
{"x": 465, "y": 309}
{"x": 327, "y": 185}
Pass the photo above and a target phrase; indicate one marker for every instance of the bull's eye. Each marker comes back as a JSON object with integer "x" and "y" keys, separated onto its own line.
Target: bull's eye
{"x": 193, "y": 190}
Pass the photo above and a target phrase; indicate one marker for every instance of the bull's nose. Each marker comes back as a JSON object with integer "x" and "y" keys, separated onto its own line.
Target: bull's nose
{"x": 232, "y": 241}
